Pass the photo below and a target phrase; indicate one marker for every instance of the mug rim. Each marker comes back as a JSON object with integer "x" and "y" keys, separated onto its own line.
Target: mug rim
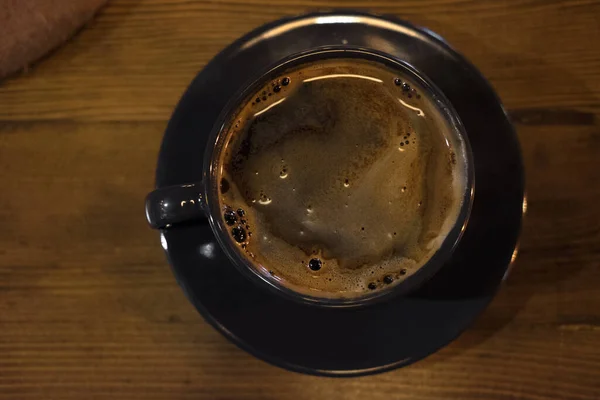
{"x": 211, "y": 182}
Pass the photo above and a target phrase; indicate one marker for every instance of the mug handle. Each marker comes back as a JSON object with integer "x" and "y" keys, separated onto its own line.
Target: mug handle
{"x": 173, "y": 204}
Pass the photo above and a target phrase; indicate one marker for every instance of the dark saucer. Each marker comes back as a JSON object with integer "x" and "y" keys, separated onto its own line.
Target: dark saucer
{"x": 347, "y": 342}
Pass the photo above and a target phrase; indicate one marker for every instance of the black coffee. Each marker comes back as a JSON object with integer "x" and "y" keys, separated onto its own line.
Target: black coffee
{"x": 340, "y": 177}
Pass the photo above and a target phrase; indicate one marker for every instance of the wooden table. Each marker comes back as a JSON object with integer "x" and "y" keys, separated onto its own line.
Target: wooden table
{"x": 88, "y": 306}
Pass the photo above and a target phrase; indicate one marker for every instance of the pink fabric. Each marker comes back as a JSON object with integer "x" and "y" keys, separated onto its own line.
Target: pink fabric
{"x": 31, "y": 28}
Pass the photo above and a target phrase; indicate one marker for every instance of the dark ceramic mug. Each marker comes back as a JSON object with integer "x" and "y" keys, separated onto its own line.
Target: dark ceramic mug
{"x": 193, "y": 202}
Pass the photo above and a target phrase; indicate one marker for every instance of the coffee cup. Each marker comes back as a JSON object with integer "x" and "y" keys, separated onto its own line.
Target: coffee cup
{"x": 338, "y": 177}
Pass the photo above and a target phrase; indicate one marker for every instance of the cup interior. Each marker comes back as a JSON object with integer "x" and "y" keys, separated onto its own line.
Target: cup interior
{"x": 211, "y": 179}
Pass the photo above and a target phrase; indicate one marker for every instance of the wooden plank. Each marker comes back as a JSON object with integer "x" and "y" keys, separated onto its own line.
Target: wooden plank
{"x": 134, "y": 61}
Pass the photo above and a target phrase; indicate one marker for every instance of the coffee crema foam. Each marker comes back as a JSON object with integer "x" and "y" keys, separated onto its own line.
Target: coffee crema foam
{"x": 340, "y": 177}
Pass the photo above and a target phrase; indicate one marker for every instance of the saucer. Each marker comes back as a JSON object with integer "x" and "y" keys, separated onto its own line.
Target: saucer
{"x": 378, "y": 337}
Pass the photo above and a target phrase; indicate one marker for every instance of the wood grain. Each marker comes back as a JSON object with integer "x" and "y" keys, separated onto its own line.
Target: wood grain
{"x": 88, "y": 306}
